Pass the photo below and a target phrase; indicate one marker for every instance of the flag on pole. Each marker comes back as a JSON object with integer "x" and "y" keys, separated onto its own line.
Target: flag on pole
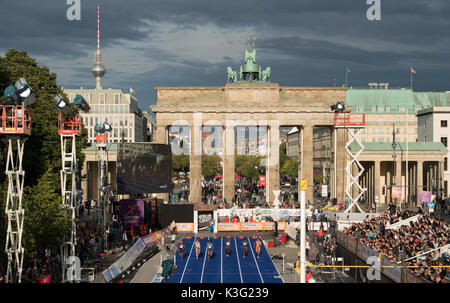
{"x": 132, "y": 91}
{"x": 348, "y": 71}
{"x": 413, "y": 71}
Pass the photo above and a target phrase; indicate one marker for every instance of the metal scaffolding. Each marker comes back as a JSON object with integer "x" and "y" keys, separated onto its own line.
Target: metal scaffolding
{"x": 354, "y": 124}
{"x": 69, "y": 193}
{"x": 14, "y": 212}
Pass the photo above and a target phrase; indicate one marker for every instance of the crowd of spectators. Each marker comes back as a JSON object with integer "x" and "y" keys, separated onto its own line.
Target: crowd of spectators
{"x": 410, "y": 240}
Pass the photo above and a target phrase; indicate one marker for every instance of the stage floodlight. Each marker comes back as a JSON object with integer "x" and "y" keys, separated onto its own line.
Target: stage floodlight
{"x": 61, "y": 104}
{"x": 23, "y": 89}
{"x": 107, "y": 127}
{"x": 338, "y": 107}
{"x": 98, "y": 128}
{"x": 11, "y": 95}
{"x": 81, "y": 103}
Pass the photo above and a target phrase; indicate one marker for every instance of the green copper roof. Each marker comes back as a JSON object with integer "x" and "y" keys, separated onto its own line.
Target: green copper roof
{"x": 393, "y": 101}
{"x": 93, "y": 147}
{"x": 401, "y": 146}
{"x": 379, "y": 101}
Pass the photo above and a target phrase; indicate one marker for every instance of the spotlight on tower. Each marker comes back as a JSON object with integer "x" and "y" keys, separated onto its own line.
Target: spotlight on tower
{"x": 11, "y": 95}
{"x": 107, "y": 127}
{"x": 61, "y": 104}
{"x": 81, "y": 104}
{"x": 99, "y": 128}
{"x": 338, "y": 107}
{"x": 24, "y": 91}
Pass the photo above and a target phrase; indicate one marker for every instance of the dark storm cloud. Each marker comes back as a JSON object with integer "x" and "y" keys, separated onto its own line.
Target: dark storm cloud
{"x": 305, "y": 42}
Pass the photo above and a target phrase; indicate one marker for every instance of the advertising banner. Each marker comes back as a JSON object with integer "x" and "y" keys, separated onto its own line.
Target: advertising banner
{"x": 204, "y": 219}
{"x": 351, "y": 245}
{"x": 395, "y": 273}
{"x": 228, "y": 226}
{"x": 130, "y": 256}
{"x": 252, "y": 226}
{"x": 185, "y": 227}
{"x": 425, "y": 196}
{"x": 397, "y": 192}
{"x": 132, "y": 212}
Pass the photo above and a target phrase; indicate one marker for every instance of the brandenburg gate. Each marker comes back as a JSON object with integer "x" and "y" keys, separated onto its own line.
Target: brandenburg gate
{"x": 252, "y": 101}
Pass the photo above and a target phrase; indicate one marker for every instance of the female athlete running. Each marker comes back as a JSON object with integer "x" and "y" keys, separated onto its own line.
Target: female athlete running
{"x": 244, "y": 247}
{"x": 197, "y": 248}
{"x": 210, "y": 247}
{"x": 181, "y": 249}
{"x": 227, "y": 246}
{"x": 258, "y": 244}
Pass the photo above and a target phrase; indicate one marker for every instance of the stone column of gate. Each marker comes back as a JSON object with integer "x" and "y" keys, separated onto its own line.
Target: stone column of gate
{"x": 273, "y": 161}
{"x": 308, "y": 162}
{"x": 398, "y": 178}
{"x": 300, "y": 158}
{"x": 84, "y": 182}
{"x": 376, "y": 180}
{"x": 195, "y": 159}
{"x": 341, "y": 162}
{"x": 419, "y": 180}
{"x": 228, "y": 161}
{"x": 161, "y": 134}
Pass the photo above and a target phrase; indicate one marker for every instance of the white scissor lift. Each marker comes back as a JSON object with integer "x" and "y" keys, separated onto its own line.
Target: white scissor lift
{"x": 68, "y": 129}
{"x": 15, "y": 122}
{"x": 354, "y": 124}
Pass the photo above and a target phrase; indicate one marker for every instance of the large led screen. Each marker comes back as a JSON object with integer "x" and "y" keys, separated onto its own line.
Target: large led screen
{"x": 143, "y": 168}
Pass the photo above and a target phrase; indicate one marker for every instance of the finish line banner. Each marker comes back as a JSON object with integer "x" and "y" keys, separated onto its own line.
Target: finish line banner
{"x": 131, "y": 255}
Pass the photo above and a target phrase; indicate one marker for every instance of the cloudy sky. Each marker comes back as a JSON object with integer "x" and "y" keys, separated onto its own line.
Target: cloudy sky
{"x": 149, "y": 43}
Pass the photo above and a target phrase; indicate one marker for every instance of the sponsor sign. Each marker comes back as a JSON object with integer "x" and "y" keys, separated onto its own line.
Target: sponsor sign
{"x": 204, "y": 219}
{"x": 425, "y": 196}
{"x": 324, "y": 190}
{"x": 395, "y": 273}
{"x": 397, "y": 192}
{"x": 185, "y": 227}
{"x": 132, "y": 212}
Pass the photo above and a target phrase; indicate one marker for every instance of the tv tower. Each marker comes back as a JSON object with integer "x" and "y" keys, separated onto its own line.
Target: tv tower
{"x": 98, "y": 70}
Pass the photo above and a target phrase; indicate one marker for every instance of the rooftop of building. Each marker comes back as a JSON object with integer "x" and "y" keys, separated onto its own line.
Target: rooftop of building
{"x": 401, "y": 146}
{"x": 394, "y": 101}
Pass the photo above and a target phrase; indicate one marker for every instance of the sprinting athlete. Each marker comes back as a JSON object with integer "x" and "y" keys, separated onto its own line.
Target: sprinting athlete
{"x": 258, "y": 244}
{"x": 210, "y": 248}
{"x": 244, "y": 247}
{"x": 227, "y": 246}
{"x": 197, "y": 248}
{"x": 181, "y": 249}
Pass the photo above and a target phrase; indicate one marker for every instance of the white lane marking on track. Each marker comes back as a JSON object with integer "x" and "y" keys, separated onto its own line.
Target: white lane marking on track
{"x": 237, "y": 256}
{"x": 189, "y": 257}
{"x": 251, "y": 248}
{"x": 203, "y": 268}
{"x": 221, "y": 260}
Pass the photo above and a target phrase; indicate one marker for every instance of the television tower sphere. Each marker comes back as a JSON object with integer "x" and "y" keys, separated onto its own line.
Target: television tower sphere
{"x": 98, "y": 70}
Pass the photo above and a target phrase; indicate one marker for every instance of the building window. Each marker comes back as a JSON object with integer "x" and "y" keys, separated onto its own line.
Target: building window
{"x": 116, "y": 98}
{"x": 388, "y": 109}
{"x": 381, "y": 121}
{"x": 102, "y": 98}
{"x": 443, "y": 123}
{"x": 87, "y": 97}
{"x": 444, "y": 141}
{"x": 445, "y": 164}
{"x": 374, "y": 108}
{"x": 402, "y": 109}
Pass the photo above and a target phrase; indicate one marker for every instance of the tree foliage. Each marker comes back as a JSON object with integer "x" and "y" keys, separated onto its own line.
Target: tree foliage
{"x": 44, "y": 225}
{"x": 211, "y": 165}
{"x": 283, "y": 155}
{"x": 180, "y": 162}
{"x": 290, "y": 167}
{"x": 248, "y": 166}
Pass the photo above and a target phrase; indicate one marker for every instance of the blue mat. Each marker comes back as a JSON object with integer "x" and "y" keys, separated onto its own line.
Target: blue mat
{"x": 222, "y": 269}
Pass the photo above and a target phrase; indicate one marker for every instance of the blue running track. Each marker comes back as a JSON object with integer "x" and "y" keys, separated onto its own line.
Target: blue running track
{"x": 222, "y": 269}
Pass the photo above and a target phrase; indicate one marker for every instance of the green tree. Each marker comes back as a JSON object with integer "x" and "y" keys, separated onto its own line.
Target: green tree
{"x": 180, "y": 162}
{"x": 248, "y": 166}
{"x": 42, "y": 155}
{"x": 211, "y": 165}
{"x": 283, "y": 155}
{"x": 290, "y": 167}
{"x": 45, "y": 223}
